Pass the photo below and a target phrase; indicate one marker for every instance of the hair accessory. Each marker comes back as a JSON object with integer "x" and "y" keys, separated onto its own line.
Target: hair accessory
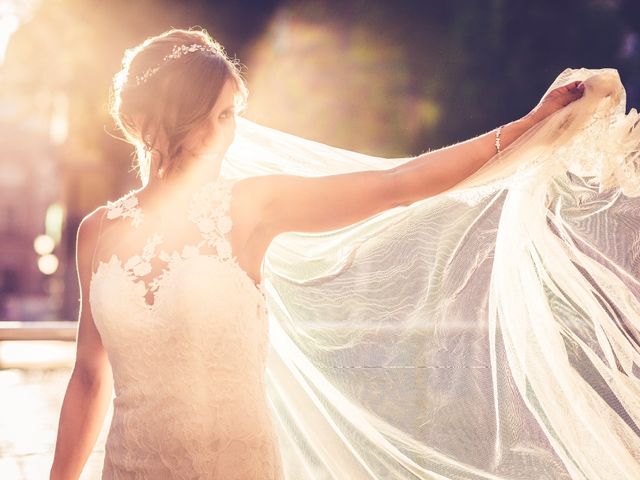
{"x": 176, "y": 52}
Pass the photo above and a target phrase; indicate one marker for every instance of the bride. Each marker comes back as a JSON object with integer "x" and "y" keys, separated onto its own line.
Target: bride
{"x": 173, "y": 312}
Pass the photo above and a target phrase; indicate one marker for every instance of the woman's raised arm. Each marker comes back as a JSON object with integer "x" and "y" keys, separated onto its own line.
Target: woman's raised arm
{"x": 314, "y": 204}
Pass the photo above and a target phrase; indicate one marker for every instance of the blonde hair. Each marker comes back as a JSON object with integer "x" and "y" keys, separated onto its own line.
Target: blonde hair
{"x": 173, "y": 101}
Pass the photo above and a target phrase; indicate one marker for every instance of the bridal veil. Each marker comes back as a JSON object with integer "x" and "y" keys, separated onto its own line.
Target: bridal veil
{"x": 491, "y": 331}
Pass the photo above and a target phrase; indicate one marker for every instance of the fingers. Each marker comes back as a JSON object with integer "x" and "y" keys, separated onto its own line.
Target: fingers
{"x": 566, "y": 94}
{"x": 579, "y": 90}
{"x": 572, "y": 91}
{"x": 576, "y": 87}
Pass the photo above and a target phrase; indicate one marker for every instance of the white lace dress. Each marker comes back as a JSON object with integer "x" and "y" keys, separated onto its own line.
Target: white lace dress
{"x": 189, "y": 367}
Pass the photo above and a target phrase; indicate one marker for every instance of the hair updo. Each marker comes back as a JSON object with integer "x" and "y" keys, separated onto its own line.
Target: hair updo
{"x": 175, "y": 100}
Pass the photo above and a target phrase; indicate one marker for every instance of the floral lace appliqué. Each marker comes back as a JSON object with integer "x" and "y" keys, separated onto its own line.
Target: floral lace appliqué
{"x": 140, "y": 265}
{"x": 208, "y": 209}
{"x": 126, "y": 206}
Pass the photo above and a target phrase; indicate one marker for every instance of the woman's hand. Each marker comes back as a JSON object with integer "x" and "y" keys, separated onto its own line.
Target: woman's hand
{"x": 555, "y": 100}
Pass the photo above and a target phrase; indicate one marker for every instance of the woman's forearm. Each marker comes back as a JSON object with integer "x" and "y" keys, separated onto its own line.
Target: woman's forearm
{"x": 81, "y": 419}
{"x": 436, "y": 171}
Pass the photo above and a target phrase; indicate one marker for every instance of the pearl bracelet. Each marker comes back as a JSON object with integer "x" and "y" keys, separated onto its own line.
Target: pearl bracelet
{"x": 498, "y": 138}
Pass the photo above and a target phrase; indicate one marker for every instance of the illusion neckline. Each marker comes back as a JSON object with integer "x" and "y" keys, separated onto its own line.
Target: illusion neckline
{"x": 192, "y": 192}
{"x": 129, "y": 206}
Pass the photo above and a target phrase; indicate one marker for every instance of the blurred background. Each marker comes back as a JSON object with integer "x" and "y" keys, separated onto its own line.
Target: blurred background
{"x": 384, "y": 78}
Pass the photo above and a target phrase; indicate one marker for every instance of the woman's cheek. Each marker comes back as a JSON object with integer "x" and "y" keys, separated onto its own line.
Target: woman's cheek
{"x": 230, "y": 132}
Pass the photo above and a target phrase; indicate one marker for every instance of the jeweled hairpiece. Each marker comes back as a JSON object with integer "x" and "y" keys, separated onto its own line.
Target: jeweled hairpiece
{"x": 177, "y": 52}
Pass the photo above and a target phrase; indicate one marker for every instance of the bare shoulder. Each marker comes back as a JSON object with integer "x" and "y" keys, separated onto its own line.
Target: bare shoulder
{"x": 256, "y": 185}
{"x": 253, "y": 194}
{"x": 90, "y": 223}
{"x": 260, "y": 190}
{"x": 87, "y": 234}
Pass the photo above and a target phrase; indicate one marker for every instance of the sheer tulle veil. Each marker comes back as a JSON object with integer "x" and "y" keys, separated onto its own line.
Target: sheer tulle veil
{"x": 489, "y": 332}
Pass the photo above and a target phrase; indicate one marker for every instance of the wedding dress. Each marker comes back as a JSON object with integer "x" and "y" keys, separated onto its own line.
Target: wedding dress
{"x": 188, "y": 367}
{"x": 491, "y": 331}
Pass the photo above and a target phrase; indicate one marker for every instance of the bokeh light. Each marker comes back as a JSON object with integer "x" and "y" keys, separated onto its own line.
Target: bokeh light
{"x": 43, "y": 244}
{"x": 48, "y": 264}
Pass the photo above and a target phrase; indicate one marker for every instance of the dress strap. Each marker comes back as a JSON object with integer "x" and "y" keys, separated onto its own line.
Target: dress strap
{"x": 125, "y": 206}
{"x": 95, "y": 248}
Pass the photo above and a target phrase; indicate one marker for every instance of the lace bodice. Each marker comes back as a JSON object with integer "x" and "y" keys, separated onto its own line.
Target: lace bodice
{"x": 188, "y": 362}
{"x": 208, "y": 209}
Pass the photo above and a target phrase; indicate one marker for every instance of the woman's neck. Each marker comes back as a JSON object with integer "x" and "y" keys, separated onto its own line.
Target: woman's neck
{"x": 179, "y": 184}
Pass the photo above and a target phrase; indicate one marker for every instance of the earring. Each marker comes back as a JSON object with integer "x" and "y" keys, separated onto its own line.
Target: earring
{"x": 147, "y": 143}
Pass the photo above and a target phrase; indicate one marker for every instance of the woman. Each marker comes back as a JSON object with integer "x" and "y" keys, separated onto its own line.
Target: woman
{"x": 173, "y": 311}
